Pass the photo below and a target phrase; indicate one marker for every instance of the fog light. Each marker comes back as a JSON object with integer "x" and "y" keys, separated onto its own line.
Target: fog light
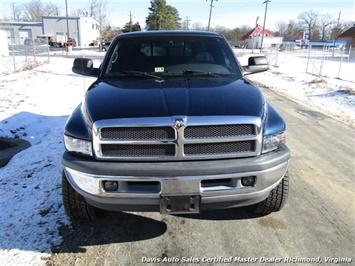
{"x": 110, "y": 185}
{"x": 248, "y": 181}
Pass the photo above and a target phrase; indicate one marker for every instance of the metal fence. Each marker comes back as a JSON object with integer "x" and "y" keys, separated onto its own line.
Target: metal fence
{"x": 327, "y": 61}
{"x": 22, "y": 57}
{"x": 321, "y": 61}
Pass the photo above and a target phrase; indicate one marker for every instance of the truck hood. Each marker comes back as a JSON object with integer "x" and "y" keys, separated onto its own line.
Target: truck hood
{"x": 172, "y": 97}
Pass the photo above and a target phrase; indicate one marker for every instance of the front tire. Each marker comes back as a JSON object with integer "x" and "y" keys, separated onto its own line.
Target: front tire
{"x": 75, "y": 205}
{"x": 276, "y": 200}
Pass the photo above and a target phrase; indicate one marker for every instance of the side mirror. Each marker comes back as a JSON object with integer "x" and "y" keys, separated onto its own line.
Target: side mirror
{"x": 256, "y": 64}
{"x": 85, "y": 66}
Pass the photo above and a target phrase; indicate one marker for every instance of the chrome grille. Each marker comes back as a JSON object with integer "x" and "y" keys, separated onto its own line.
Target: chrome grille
{"x": 163, "y": 138}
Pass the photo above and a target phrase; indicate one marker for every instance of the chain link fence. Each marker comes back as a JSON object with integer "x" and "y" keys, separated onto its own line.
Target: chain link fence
{"x": 22, "y": 57}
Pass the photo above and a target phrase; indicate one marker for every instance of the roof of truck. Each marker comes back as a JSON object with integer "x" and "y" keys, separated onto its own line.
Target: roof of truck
{"x": 169, "y": 32}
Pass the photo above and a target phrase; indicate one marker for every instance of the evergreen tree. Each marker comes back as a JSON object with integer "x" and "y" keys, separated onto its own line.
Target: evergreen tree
{"x": 135, "y": 27}
{"x": 162, "y": 16}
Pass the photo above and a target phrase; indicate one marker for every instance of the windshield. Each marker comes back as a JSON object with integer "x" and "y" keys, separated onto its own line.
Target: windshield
{"x": 169, "y": 56}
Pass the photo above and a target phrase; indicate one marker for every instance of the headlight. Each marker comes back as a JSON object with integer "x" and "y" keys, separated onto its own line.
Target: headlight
{"x": 274, "y": 142}
{"x": 78, "y": 145}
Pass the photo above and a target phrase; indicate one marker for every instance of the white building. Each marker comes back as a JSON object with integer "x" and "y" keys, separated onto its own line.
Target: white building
{"x": 85, "y": 31}
{"x": 18, "y": 32}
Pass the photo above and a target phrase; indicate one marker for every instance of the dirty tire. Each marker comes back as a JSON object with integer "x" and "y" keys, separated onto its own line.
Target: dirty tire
{"x": 75, "y": 205}
{"x": 276, "y": 200}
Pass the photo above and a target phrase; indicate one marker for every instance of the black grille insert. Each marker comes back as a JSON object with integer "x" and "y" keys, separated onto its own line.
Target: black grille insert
{"x": 219, "y": 148}
{"x": 138, "y": 133}
{"x": 219, "y": 131}
{"x": 127, "y": 150}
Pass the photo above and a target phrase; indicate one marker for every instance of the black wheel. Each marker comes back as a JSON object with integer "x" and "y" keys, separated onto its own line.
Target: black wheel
{"x": 75, "y": 205}
{"x": 276, "y": 200}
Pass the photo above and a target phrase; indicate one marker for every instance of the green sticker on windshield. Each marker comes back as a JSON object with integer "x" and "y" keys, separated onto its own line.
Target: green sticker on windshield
{"x": 159, "y": 69}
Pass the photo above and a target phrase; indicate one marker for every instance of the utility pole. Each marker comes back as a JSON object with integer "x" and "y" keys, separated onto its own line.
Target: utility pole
{"x": 130, "y": 21}
{"x": 336, "y": 33}
{"x": 66, "y": 12}
{"x": 209, "y": 20}
{"x": 263, "y": 32}
{"x": 187, "y": 22}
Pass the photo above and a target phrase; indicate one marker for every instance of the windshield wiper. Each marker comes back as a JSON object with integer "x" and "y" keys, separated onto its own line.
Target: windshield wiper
{"x": 194, "y": 72}
{"x": 201, "y": 73}
{"x": 133, "y": 73}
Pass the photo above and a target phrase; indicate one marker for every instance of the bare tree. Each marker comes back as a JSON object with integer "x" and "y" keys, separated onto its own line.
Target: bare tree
{"x": 309, "y": 19}
{"x": 16, "y": 12}
{"x": 325, "y": 22}
{"x": 79, "y": 13}
{"x": 33, "y": 11}
{"x": 281, "y": 27}
{"x": 339, "y": 29}
{"x": 108, "y": 33}
{"x": 93, "y": 9}
{"x": 100, "y": 14}
{"x": 50, "y": 9}
{"x": 198, "y": 26}
{"x": 98, "y": 10}
{"x": 292, "y": 30}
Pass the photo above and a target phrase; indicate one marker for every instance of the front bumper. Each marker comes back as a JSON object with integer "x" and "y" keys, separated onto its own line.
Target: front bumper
{"x": 142, "y": 185}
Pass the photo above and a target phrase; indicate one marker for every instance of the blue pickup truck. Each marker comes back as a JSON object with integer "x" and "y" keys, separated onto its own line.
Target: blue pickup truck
{"x": 172, "y": 125}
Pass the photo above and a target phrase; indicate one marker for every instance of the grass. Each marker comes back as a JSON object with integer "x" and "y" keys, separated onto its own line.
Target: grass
{"x": 318, "y": 81}
{"x": 32, "y": 66}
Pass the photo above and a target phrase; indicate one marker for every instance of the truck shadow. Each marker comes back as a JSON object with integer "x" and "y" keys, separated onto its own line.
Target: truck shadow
{"x": 240, "y": 213}
{"x": 113, "y": 227}
{"x": 122, "y": 227}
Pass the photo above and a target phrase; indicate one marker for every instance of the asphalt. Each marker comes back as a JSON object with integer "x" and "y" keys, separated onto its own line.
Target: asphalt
{"x": 9, "y": 147}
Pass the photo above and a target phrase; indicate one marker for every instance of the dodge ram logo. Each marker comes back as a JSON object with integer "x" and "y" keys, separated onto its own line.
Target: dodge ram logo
{"x": 179, "y": 123}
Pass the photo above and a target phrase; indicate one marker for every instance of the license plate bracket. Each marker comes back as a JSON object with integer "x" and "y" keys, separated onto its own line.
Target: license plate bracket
{"x": 180, "y": 204}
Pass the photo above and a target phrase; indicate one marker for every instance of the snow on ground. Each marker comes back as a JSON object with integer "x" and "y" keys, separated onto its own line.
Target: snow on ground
{"x": 333, "y": 93}
{"x": 35, "y": 104}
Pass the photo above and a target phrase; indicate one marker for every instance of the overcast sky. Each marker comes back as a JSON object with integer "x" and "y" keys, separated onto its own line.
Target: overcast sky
{"x": 228, "y": 13}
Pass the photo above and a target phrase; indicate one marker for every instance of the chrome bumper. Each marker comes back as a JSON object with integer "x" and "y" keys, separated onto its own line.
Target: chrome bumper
{"x": 214, "y": 186}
